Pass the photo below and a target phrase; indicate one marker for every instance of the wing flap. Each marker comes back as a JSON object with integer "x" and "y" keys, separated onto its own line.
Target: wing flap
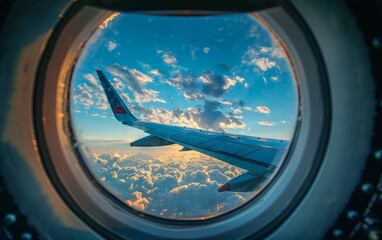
{"x": 184, "y": 149}
{"x": 246, "y": 182}
{"x": 150, "y": 141}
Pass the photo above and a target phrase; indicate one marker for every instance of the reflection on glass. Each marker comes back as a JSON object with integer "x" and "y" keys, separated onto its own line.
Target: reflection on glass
{"x": 223, "y": 73}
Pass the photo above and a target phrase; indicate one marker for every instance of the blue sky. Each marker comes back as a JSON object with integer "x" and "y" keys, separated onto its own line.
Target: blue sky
{"x": 219, "y": 73}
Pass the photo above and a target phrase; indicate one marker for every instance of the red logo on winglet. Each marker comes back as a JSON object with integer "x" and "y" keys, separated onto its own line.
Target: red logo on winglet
{"x": 118, "y": 110}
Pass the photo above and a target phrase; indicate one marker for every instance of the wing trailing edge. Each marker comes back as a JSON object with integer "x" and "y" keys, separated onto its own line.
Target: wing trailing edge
{"x": 184, "y": 149}
{"x": 245, "y": 182}
{"x": 150, "y": 141}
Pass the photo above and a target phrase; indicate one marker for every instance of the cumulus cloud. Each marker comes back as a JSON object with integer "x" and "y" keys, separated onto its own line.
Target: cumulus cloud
{"x": 276, "y": 52}
{"x": 183, "y": 83}
{"x": 167, "y": 57}
{"x": 89, "y": 94}
{"x": 215, "y": 84}
{"x": 267, "y": 123}
{"x": 92, "y": 79}
{"x": 208, "y": 116}
{"x": 177, "y": 185}
{"x": 264, "y": 63}
{"x": 138, "y": 202}
{"x": 210, "y": 87}
{"x": 264, "y": 58}
{"x": 213, "y": 119}
{"x": 136, "y": 82}
{"x": 263, "y": 109}
{"x": 111, "y": 45}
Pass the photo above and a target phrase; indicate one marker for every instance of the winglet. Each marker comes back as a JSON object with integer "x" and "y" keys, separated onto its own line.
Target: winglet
{"x": 121, "y": 112}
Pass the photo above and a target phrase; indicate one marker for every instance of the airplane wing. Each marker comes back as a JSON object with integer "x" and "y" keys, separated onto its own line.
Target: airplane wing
{"x": 259, "y": 156}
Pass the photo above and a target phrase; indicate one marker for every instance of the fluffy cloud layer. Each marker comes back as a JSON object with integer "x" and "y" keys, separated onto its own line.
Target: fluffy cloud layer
{"x": 183, "y": 185}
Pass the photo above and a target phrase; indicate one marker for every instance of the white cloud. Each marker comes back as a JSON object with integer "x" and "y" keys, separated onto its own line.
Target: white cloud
{"x": 193, "y": 95}
{"x": 206, "y": 50}
{"x": 204, "y": 79}
{"x": 98, "y": 115}
{"x": 169, "y": 59}
{"x": 111, "y": 45}
{"x": 239, "y": 79}
{"x": 267, "y": 123}
{"x": 118, "y": 84}
{"x": 125, "y": 97}
{"x": 175, "y": 184}
{"x": 265, "y": 81}
{"x": 229, "y": 82}
{"x": 264, "y": 58}
{"x": 91, "y": 78}
{"x": 264, "y": 63}
{"x": 206, "y": 117}
{"x": 139, "y": 202}
{"x": 263, "y": 109}
{"x": 156, "y": 72}
{"x": 138, "y": 75}
{"x": 278, "y": 52}
{"x": 148, "y": 95}
{"x": 90, "y": 95}
{"x": 265, "y": 50}
{"x": 106, "y": 22}
{"x": 237, "y": 111}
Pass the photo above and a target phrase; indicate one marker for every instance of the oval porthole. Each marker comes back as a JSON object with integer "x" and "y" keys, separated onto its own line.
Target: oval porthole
{"x": 198, "y": 114}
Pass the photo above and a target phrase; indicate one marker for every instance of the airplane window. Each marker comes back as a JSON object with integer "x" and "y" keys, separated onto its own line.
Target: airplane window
{"x": 181, "y": 121}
